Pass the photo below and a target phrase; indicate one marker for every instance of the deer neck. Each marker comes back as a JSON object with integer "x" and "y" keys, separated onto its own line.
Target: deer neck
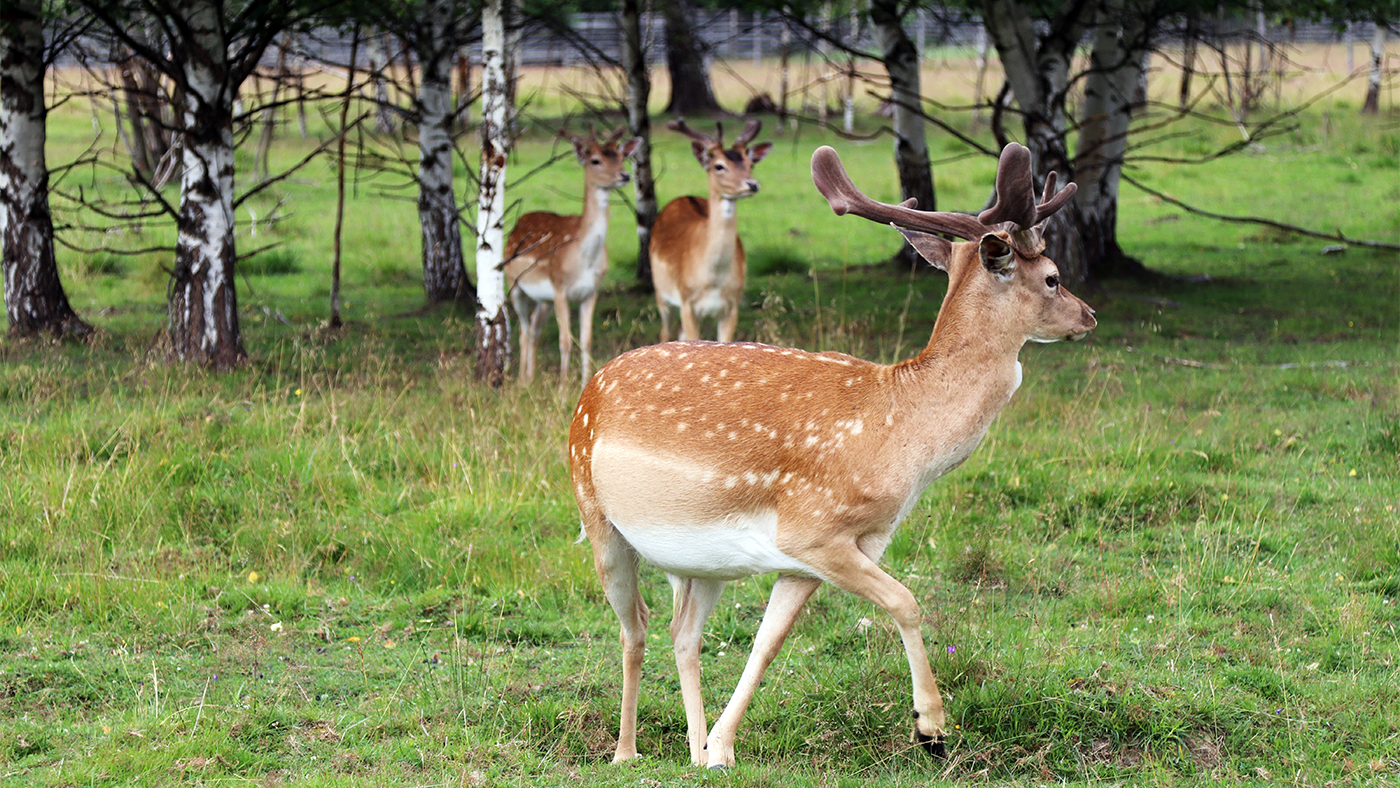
{"x": 594, "y": 225}
{"x": 722, "y": 231}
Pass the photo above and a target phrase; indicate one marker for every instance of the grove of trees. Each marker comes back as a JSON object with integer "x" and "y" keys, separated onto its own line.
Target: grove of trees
{"x": 177, "y": 74}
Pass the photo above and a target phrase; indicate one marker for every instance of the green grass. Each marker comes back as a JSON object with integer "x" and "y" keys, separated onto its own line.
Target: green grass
{"x": 348, "y": 565}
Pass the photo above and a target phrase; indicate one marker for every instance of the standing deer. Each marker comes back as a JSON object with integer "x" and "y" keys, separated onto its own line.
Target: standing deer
{"x": 559, "y": 259}
{"x": 696, "y": 256}
{"x": 716, "y": 462}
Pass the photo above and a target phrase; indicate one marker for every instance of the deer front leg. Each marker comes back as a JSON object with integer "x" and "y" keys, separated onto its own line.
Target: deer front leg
{"x": 789, "y": 595}
{"x": 566, "y": 336}
{"x": 690, "y": 326}
{"x": 694, "y": 600}
{"x": 728, "y": 322}
{"x": 852, "y": 570}
{"x": 616, "y": 563}
{"x": 585, "y": 335}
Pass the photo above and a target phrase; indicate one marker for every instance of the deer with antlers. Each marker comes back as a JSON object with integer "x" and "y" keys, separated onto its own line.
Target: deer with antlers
{"x": 562, "y": 259}
{"x": 716, "y": 462}
{"x": 697, "y": 258}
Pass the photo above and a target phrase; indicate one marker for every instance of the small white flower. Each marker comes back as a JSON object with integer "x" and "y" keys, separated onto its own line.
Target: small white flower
{"x": 277, "y": 627}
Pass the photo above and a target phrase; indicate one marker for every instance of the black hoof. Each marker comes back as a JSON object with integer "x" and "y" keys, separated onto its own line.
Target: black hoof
{"x": 719, "y": 767}
{"x": 933, "y": 745}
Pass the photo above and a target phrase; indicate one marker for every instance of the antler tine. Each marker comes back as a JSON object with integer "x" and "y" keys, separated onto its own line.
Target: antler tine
{"x": 592, "y": 134}
{"x": 750, "y": 131}
{"x": 719, "y": 134}
{"x": 1051, "y": 202}
{"x": 616, "y": 135}
{"x": 679, "y": 125}
{"x": 1015, "y": 190}
{"x": 844, "y": 197}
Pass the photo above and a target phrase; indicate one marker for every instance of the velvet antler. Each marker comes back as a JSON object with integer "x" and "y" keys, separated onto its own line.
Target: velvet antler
{"x": 1016, "y": 201}
{"x": 835, "y": 185}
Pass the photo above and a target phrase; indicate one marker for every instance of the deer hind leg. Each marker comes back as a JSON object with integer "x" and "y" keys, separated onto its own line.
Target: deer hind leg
{"x": 617, "y": 565}
{"x": 789, "y": 595}
{"x": 854, "y": 571}
{"x": 526, "y": 311}
{"x": 566, "y": 336}
{"x": 694, "y": 599}
{"x": 665, "y": 318}
{"x": 585, "y": 335}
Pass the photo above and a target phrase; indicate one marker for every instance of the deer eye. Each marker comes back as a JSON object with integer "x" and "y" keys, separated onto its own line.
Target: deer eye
{"x": 1052, "y": 281}
{"x": 719, "y": 168}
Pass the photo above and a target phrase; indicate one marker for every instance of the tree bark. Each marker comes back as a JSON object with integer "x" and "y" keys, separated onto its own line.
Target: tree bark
{"x": 1116, "y": 63}
{"x": 1188, "y": 58}
{"x": 1038, "y": 72}
{"x": 686, "y": 60}
{"x": 1372, "y": 104}
{"x": 901, "y": 61}
{"x": 202, "y": 302}
{"x": 34, "y": 299}
{"x": 492, "y": 325}
{"x": 444, "y": 271}
{"x": 639, "y": 122}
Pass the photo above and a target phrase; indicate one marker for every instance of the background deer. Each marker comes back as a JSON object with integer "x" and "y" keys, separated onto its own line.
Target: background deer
{"x": 696, "y": 257}
{"x": 553, "y": 258}
{"x": 716, "y": 462}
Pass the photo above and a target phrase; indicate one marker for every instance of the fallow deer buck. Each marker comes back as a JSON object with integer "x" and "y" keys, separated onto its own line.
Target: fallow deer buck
{"x": 697, "y": 259}
{"x": 715, "y": 462}
{"x": 562, "y": 259}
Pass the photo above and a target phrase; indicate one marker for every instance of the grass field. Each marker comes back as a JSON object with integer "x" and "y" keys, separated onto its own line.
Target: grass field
{"x": 347, "y": 565}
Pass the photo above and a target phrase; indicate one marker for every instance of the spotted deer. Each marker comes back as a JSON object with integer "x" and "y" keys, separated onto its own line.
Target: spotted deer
{"x": 715, "y": 462}
{"x": 697, "y": 258}
{"x": 562, "y": 259}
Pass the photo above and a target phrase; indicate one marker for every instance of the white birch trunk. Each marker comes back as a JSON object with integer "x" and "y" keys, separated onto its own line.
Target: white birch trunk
{"x": 1372, "y": 105}
{"x": 444, "y": 272}
{"x": 203, "y": 306}
{"x": 492, "y": 325}
{"x": 34, "y": 297}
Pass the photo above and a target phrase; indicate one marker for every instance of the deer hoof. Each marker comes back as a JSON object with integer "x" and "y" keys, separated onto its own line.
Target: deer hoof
{"x": 933, "y": 745}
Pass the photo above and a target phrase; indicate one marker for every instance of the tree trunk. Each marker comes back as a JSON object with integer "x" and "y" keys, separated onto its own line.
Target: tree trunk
{"x": 1188, "y": 58}
{"x": 1372, "y": 105}
{"x": 492, "y": 325}
{"x": 140, "y": 148}
{"x": 444, "y": 272}
{"x": 1038, "y": 72}
{"x": 1115, "y": 67}
{"x": 384, "y": 121}
{"x": 269, "y": 118}
{"x": 335, "y": 321}
{"x": 691, "y": 92}
{"x": 34, "y": 298}
{"x": 901, "y": 60}
{"x": 203, "y": 305}
{"x": 634, "y": 61}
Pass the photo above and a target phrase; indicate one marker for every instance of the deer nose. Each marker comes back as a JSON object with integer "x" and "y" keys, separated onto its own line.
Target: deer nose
{"x": 753, "y": 186}
{"x": 624, "y": 177}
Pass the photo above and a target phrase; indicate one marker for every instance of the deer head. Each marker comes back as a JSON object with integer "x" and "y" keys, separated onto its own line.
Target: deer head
{"x": 604, "y": 163}
{"x": 730, "y": 170}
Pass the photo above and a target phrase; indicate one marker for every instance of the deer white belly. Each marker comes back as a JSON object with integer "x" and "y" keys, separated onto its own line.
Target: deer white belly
{"x": 538, "y": 289}
{"x": 728, "y": 549}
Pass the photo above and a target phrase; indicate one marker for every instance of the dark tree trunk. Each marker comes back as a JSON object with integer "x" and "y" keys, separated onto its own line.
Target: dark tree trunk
{"x": 444, "y": 271}
{"x": 1372, "y": 104}
{"x": 639, "y": 122}
{"x": 901, "y": 59}
{"x": 34, "y": 299}
{"x": 691, "y": 92}
{"x": 1188, "y": 57}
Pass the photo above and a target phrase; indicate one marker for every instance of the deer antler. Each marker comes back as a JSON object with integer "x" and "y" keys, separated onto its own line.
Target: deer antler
{"x": 1016, "y": 192}
{"x": 679, "y": 125}
{"x": 835, "y": 185}
{"x": 616, "y": 135}
{"x": 750, "y": 131}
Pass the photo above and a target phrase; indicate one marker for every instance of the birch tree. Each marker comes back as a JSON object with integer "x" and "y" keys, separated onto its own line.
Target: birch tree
{"x": 34, "y": 298}
{"x": 213, "y": 47}
{"x": 492, "y": 325}
{"x": 634, "y": 63}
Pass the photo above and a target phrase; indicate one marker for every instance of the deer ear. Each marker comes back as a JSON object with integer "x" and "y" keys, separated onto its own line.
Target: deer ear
{"x": 630, "y": 147}
{"x": 997, "y": 255}
{"x": 701, "y": 152}
{"x": 937, "y": 251}
{"x": 580, "y": 149}
{"x": 757, "y": 152}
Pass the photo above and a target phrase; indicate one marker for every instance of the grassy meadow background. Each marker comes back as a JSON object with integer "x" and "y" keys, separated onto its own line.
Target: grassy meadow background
{"x": 348, "y": 565}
